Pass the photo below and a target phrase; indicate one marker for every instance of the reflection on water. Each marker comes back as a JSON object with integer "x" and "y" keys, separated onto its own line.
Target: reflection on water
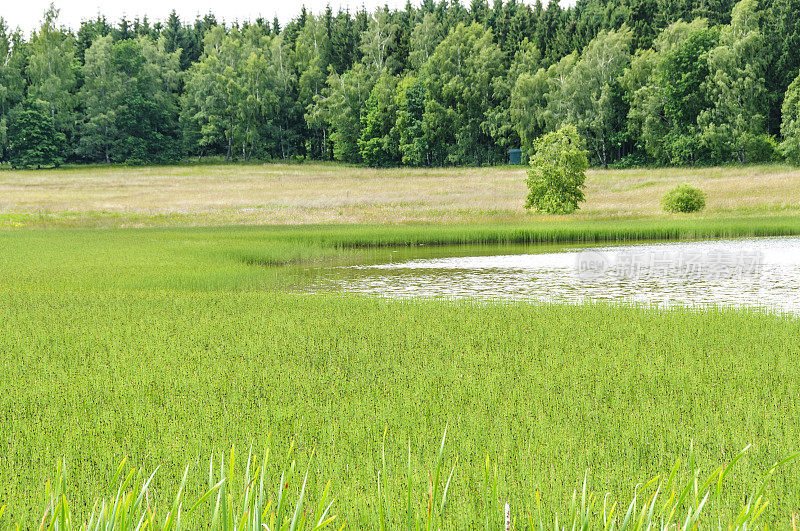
{"x": 757, "y": 272}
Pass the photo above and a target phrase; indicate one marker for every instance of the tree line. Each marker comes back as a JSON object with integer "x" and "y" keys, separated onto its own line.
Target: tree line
{"x": 642, "y": 81}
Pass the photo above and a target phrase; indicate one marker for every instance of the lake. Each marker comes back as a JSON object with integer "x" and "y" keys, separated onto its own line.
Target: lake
{"x": 752, "y": 272}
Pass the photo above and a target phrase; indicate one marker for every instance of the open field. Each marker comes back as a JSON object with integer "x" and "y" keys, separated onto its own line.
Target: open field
{"x": 326, "y": 193}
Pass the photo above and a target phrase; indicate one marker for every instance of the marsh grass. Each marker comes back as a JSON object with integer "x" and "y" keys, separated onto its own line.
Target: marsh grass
{"x": 168, "y": 344}
{"x": 667, "y": 502}
{"x": 245, "y": 503}
{"x": 254, "y": 258}
{"x": 547, "y": 391}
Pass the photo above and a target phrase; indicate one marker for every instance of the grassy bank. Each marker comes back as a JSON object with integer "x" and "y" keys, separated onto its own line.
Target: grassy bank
{"x": 226, "y": 257}
{"x": 102, "y": 196}
{"x": 169, "y": 344}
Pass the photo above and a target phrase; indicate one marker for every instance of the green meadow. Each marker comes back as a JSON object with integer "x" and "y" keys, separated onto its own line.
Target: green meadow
{"x": 170, "y": 346}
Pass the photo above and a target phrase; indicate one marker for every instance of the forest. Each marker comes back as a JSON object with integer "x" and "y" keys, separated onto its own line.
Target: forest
{"x": 645, "y": 82}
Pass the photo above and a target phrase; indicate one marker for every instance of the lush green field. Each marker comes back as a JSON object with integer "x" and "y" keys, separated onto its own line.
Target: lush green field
{"x": 168, "y": 344}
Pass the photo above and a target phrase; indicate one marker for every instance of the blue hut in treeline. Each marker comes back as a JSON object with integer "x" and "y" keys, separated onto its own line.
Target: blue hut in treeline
{"x": 515, "y": 156}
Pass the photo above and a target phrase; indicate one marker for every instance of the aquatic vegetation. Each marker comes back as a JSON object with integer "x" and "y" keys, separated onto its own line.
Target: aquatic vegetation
{"x": 251, "y": 504}
{"x": 240, "y": 502}
{"x": 167, "y": 345}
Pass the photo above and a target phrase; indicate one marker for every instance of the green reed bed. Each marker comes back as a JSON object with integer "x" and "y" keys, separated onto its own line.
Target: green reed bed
{"x": 168, "y": 346}
{"x": 187, "y": 258}
{"x": 244, "y": 499}
{"x": 547, "y": 392}
{"x": 555, "y": 232}
{"x": 349, "y": 237}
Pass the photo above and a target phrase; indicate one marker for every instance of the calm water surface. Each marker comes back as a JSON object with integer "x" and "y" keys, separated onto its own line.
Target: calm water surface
{"x": 756, "y": 272}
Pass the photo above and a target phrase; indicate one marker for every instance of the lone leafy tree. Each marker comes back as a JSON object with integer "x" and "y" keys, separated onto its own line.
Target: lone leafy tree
{"x": 557, "y": 173}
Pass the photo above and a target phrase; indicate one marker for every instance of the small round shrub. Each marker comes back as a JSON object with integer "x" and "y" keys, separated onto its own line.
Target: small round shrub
{"x": 684, "y": 198}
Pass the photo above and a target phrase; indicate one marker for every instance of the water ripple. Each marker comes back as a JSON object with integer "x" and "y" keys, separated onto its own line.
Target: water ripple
{"x": 754, "y": 272}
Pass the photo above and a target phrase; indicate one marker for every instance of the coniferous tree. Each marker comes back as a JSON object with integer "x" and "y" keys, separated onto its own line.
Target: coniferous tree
{"x": 177, "y": 37}
{"x": 89, "y": 31}
{"x": 781, "y": 29}
{"x": 343, "y": 43}
{"x": 123, "y": 31}
{"x": 641, "y": 19}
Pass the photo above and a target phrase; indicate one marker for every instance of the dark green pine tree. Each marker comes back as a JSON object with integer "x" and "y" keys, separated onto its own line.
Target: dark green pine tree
{"x": 452, "y": 13}
{"x": 123, "y": 31}
{"x": 550, "y": 37}
{"x": 642, "y": 21}
{"x": 669, "y": 11}
{"x": 301, "y": 20}
{"x": 521, "y": 24}
{"x": 291, "y": 31}
{"x": 142, "y": 27}
{"x": 479, "y": 11}
{"x": 87, "y": 33}
{"x": 426, "y": 6}
{"x": 716, "y": 11}
{"x": 589, "y": 21}
{"x": 497, "y": 21}
{"x": 173, "y": 32}
{"x": 362, "y": 21}
{"x": 12, "y": 79}
{"x": 198, "y": 31}
{"x": 327, "y": 46}
{"x": 343, "y": 43}
{"x": 401, "y": 44}
{"x": 178, "y": 37}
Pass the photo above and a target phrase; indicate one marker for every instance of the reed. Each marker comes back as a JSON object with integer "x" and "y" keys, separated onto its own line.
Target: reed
{"x": 662, "y": 503}
{"x": 246, "y": 503}
{"x": 168, "y": 344}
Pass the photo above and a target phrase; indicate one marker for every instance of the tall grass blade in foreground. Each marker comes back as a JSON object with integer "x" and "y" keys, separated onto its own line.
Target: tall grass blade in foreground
{"x": 250, "y": 509}
{"x": 662, "y": 503}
